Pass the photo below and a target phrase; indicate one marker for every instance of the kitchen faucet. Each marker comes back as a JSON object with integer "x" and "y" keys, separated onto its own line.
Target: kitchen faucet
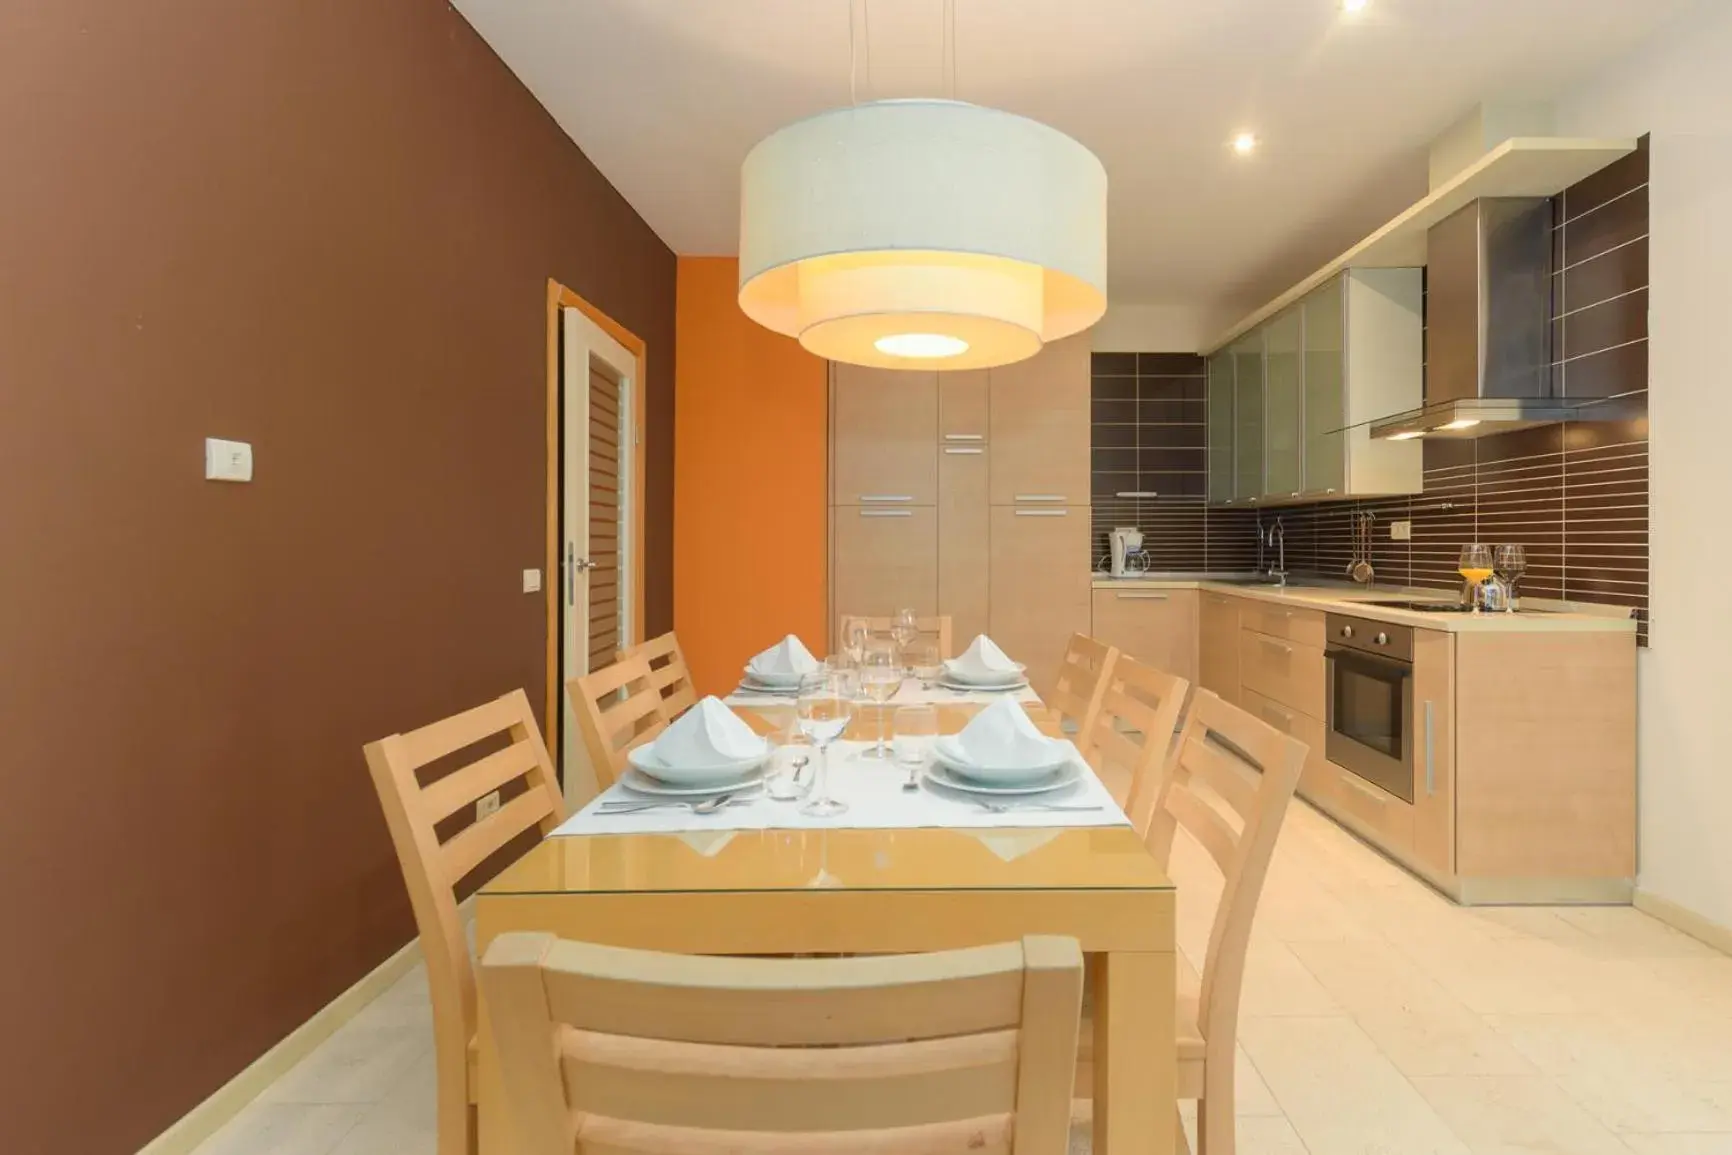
{"x": 1277, "y": 540}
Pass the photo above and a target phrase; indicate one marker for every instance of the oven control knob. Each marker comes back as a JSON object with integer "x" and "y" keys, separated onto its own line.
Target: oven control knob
{"x": 1381, "y": 639}
{"x": 1347, "y": 631}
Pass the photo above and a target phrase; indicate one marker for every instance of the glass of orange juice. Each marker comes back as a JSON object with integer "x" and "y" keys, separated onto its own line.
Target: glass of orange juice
{"x": 1475, "y": 566}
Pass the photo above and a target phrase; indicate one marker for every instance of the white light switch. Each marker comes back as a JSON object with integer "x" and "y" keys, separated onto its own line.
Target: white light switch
{"x": 531, "y": 581}
{"x": 1401, "y": 531}
{"x": 227, "y": 460}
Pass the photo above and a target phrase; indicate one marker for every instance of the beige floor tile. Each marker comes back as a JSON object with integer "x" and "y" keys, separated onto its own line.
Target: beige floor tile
{"x": 1699, "y": 1143}
{"x": 1342, "y": 1095}
{"x": 1277, "y": 983}
{"x": 1505, "y": 1115}
{"x": 284, "y": 1129}
{"x": 361, "y": 1063}
{"x": 1366, "y": 977}
{"x": 404, "y": 1122}
{"x": 1250, "y": 1093}
{"x": 1256, "y": 1135}
{"x": 1431, "y": 1041}
{"x": 1627, "y": 932}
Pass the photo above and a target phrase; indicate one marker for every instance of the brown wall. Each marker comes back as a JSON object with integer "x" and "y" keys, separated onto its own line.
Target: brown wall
{"x": 326, "y": 229}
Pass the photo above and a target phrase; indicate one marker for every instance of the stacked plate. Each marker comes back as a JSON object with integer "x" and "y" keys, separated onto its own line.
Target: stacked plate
{"x": 782, "y": 685}
{"x": 650, "y": 774}
{"x": 958, "y": 677}
{"x": 952, "y": 767}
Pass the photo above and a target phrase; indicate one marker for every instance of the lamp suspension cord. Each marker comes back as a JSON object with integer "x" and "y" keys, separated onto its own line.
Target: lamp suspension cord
{"x": 949, "y": 43}
{"x": 853, "y": 58}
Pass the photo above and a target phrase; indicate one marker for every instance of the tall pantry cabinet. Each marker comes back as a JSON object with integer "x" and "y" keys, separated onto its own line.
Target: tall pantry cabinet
{"x": 967, "y": 494}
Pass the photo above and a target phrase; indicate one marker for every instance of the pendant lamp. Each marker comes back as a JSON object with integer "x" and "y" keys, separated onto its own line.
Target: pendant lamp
{"x": 922, "y": 234}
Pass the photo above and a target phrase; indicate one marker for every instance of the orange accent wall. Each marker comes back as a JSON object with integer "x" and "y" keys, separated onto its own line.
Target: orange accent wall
{"x": 751, "y": 413}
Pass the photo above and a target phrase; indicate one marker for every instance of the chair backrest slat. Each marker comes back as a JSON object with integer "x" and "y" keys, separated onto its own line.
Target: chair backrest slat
{"x": 934, "y": 629}
{"x": 1136, "y": 713}
{"x": 1223, "y": 744}
{"x": 964, "y": 1051}
{"x": 669, "y": 673}
{"x": 1082, "y": 680}
{"x": 618, "y": 707}
{"x": 431, "y": 870}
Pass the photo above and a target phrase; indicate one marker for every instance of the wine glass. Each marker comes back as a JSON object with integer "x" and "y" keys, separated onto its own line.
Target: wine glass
{"x": 905, "y": 628}
{"x": 1510, "y": 562}
{"x": 925, "y": 663}
{"x": 824, "y": 709}
{"x": 1475, "y": 567}
{"x": 854, "y": 643}
{"x": 880, "y": 678}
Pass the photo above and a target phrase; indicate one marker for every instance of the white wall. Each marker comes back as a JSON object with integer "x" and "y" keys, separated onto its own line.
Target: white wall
{"x": 1679, "y": 88}
{"x": 1150, "y": 329}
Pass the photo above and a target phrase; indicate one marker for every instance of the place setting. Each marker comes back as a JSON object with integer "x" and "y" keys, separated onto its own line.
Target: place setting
{"x": 981, "y": 672}
{"x": 773, "y": 676}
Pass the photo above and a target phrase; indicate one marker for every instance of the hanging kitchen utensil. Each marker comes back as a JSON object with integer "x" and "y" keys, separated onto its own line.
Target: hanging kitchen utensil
{"x": 1362, "y": 569}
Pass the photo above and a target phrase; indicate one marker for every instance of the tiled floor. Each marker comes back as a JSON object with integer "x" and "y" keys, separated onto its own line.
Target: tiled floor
{"x": 1377, "y": 1018}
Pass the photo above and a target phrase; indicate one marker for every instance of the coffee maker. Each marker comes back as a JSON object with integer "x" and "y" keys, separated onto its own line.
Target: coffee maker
{"x": 1127, "y": 543}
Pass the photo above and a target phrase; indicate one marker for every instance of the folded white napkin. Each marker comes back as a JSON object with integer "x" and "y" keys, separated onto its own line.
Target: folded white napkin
{"x": 982, "y": 661}
{"x": 705, "y": 735}
{"x": 788, "y": 658}
{"x": 1003, "y": 737}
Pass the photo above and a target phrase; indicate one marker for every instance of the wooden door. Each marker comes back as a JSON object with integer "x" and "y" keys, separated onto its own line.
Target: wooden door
{"x": 1434, "y": 750}
{"x": 1040, "y": 430}
{"x": 1040, "y": 585}
{"x": 1156, "y": 627}
{"x": 964, "y": 524}
{"x": 884, "y": 560}
{"x": 884, "y": 437}
{"x": 1218, "y": 645}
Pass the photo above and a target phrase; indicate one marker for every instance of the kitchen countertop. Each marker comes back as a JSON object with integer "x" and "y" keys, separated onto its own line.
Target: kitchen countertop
{"x": 1343, "y": 599}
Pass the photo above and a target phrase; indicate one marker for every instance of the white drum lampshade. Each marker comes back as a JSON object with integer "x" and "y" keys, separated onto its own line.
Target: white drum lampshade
{"x": 922, "y": 234}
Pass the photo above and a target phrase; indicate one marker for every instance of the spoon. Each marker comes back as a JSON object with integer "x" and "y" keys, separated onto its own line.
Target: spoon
{"x": 913, "y": 781}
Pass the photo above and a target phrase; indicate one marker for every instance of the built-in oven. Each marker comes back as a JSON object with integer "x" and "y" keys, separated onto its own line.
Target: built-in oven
{"x": 1370, "y": 701}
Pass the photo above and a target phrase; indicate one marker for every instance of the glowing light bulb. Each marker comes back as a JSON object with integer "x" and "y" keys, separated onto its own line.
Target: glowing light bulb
{"x": 921, "y": 345}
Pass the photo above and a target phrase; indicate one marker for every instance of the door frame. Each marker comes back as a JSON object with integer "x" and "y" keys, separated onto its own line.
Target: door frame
{"x": 560, "y": 298}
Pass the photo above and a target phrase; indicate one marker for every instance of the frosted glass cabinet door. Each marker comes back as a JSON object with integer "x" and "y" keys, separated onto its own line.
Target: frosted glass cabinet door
{"x": 1283, "y": 429}
{"x": 1248, "y": 416}
{"x": 1325, "y": 391}
{"x": 1221, "y": 427}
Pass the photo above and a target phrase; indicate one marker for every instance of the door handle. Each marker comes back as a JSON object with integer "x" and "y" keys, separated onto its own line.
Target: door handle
{"x": 962, "y": 449}
{"x": 1143, "y": 597}
{"x": 965, "y": 437}
{"x": 1276, "y": 716}
{"x": 887, "y": 513}
{"x": 866, "y": 498}
{"x": 1274, "y": 645}
{"x": 1041, "y": 512}
{"x": 1430, "y": 767}
{"x": 1055, "y": 497}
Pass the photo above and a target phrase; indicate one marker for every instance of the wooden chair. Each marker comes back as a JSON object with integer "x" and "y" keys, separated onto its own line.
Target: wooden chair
{"x": 669, "y": 673}
{"x": 933, "y": 629}
{"x": 1081, "y": 682}
{"x": 432, "y": 870}
{"x": 1228, "y": 785}
{"x": 610, "y": 1050}
{"x": 1136, "y": 713}
{"x": 617, "y": 707}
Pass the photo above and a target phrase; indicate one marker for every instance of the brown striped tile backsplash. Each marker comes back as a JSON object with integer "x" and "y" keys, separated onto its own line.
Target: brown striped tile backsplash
{"x": 1575, "y": 494}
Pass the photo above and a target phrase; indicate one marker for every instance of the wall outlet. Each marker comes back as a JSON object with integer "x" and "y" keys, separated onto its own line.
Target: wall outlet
{"x": 486, "y": 804}
{"x": 531, "y": 581}
{"x": 1401, "y": 531}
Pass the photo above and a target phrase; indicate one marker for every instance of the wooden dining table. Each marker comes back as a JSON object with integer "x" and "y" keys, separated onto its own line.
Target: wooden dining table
{"x": 867, "y": 891}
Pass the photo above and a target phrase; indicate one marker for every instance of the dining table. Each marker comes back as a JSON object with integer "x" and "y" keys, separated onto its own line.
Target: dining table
{"x": 841, "y": 887}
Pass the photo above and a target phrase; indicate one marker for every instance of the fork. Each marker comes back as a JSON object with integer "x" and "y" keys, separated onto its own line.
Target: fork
{"x": 1012, "y": 807}
{"x": 707, "y": 806}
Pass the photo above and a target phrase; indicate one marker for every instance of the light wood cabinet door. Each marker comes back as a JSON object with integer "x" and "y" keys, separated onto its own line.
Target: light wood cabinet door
{"x": 964, "y": 536}
{"x": 883, "y": 437}
{"x": 964, "y": 415}
{"x": 1434, "y": 749}
{"x": 884, "y": 560}
{"x": 1290, "y": 673}
{"x": 1039, "y": 428}
{"x": 1040, "y": 585}
{"x": 1318, "y": 780}
{"x": 1156, "y": 627}
{"x": 1218, "y": 645}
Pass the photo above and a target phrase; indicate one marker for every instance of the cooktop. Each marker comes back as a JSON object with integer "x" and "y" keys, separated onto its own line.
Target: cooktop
{"x": 1422, "y": 607}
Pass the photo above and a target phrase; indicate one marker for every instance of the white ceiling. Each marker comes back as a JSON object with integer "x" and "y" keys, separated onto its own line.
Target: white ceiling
{"x": 666, "y": 97}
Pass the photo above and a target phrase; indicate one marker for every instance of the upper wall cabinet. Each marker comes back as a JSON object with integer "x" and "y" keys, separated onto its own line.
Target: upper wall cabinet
{"x": 1305, "y": 387}
{"x": 1040, "y": 427}
{"x": 884, "y": 437}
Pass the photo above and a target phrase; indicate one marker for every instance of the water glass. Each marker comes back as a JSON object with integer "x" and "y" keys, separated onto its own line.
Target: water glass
{"x": 824, "y": 709}
{"x": 854, "y": 641}
{"x": 905, "y": 627}
{"x": 880, "y": 678}
{"x": 790, "y": 752}
{"x": 916, "y": 726}
{"x": 925, "y": 662}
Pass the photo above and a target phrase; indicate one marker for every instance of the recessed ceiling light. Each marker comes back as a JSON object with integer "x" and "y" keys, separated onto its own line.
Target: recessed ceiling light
{"x": 1409, "y": 436}
{"x": 1245, "y": 143}
{"x": 1461, "y": 423}
{"x": 1351, "y": 6}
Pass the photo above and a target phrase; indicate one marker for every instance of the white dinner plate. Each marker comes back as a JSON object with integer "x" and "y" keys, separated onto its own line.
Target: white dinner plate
{"x": 749, "y": 686}
{"x": 718, "y": 776}
{"x": 947, "y": 752}
{"x": 771, "y": 681}
{"x": 941, "y": 775}
{"x": 950, "y": 683}
{"x": 637, "y": 782}
{"x": 1017, "y": 677}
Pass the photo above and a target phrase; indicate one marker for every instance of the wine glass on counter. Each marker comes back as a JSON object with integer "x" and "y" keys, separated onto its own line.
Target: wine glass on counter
{"x": 880, "y": 678}
{"x": 1475, "y": 567}
{"x": 1510, "y": 562}
{"x": 824, "y": 709}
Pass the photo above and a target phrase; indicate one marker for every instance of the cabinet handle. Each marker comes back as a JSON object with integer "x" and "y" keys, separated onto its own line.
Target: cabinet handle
{"x": 1058, "y": 497}
{"x": 868, "y": 498}
{"x": 1352, "y": 780}
{"x": 965, "y": 437}
{"x": 1274, "y": 645}
{"x": 1042, "y": 512}
{"x": 887, "y": 513}
{"x": 1430, "y": 767}
{"x": 1276, "y": 716}
{"x": 959, "y": 449}
{"x": 1144, "y": 597}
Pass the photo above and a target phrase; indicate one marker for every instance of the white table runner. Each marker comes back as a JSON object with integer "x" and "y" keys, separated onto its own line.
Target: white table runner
{"x": 876, "y": 801}
{"x": 912, "y": 692}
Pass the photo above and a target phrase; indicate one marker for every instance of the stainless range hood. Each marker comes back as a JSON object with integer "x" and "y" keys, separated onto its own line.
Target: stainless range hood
{"x": 1488, "y": 325}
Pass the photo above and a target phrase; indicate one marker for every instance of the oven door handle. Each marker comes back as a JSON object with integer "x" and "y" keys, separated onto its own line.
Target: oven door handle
{"x": 1367, "y": 661}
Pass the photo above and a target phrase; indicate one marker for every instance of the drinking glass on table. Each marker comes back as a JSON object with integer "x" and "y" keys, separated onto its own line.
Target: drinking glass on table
{"x": 790, "y": 751}
{"x": 880, "y": 678}
{"x": 905, "y": 628}
{"x": 925, "y": 663}
{"x": 854, "y": 641}
{"x": 916, "y": 726}
{"x": 1475, "y": 566}
{"x": 1510, "y": 562}
{"x": 824, "y": 709}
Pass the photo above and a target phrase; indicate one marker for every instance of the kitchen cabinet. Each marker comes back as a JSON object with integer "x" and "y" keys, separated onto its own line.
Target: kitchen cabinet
{"x": 1434, "y": 735}
{"x": 1221, "y": 426}
{"x": 884, "y": 437}
{"x": 1248, "y": 417}
{"x": 1218, "y": 645}
{"x": 1039, "y": 585}
{"x": 1287, "y": 672}
{"x": 1324, "y": 391}
{"x": 1156, "y": 627}
{"x": 964, "y": 521}
{"x": 1039, "y": 431}
{"x": 1283, "y": 406}
{"x": 1317, "y": 780}
{"x": 884, "y": 560}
